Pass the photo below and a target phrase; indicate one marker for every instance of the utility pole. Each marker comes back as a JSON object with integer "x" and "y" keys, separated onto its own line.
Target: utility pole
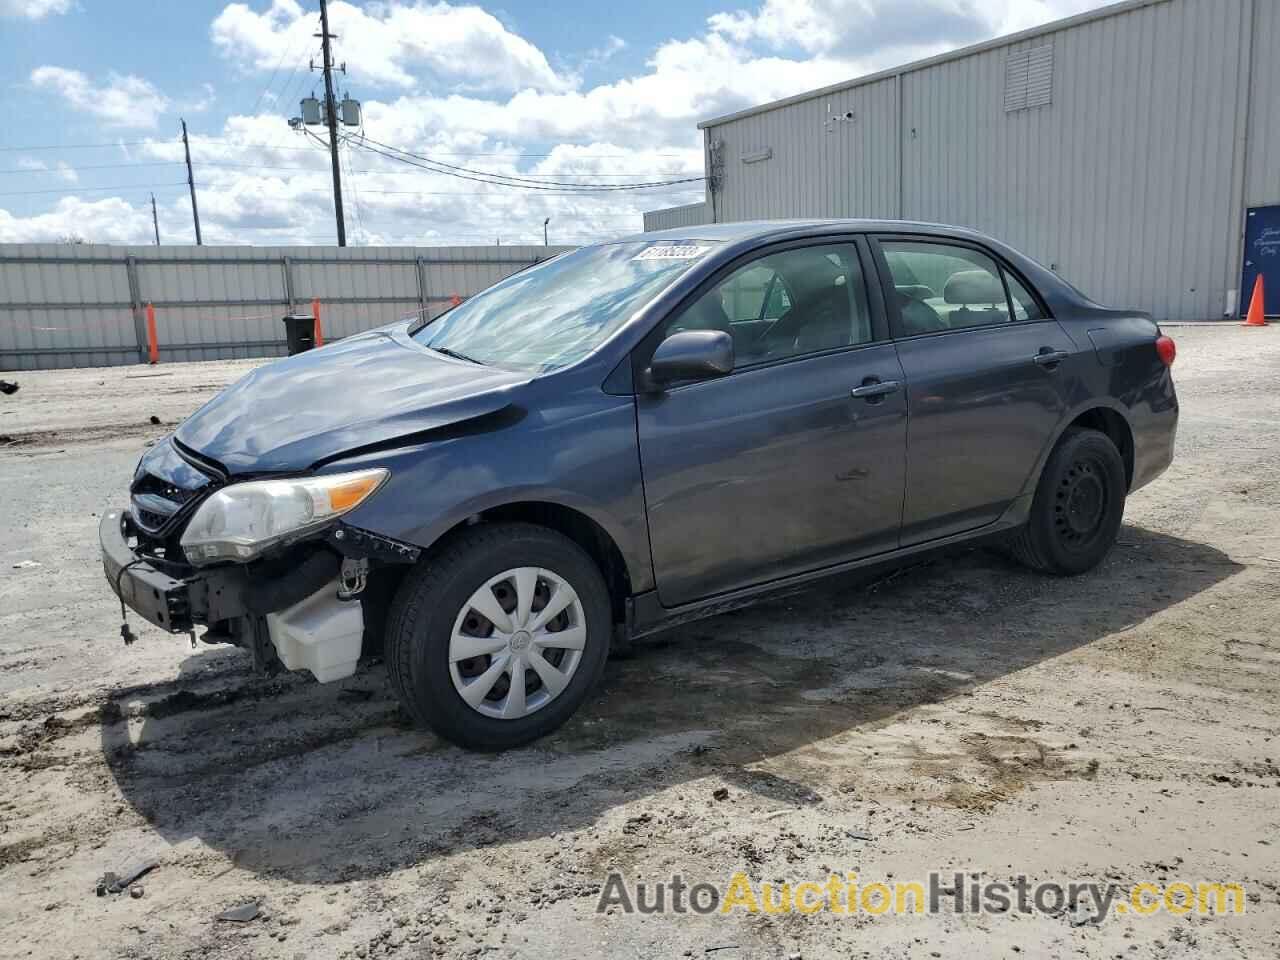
{"x": 544, "y": 231}
{"x": 155, "y": 222}
{"x": 331, "y": 120}
{"x": 191, "y": 182}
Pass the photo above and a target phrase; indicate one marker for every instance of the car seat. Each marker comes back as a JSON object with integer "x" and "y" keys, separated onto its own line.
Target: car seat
{"x": 970, "y": 288}
{"x": 917, "y": 316}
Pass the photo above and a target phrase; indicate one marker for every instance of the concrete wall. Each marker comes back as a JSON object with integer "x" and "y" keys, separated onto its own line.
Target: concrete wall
{"x": 84, "y": 305}
{"x": 1163, "y": 124}
{"x": 689, "y": 215}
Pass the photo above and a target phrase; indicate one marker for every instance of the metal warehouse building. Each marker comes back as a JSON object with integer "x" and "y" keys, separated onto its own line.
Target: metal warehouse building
{"x": 1134, "y": 149}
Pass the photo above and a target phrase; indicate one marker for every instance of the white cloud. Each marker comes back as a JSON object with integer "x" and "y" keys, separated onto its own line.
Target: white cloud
{"x": 686, "y": 81}
{"x": 111, "y": 220}
{"x": 123, "y": 101}
{"x": 34, "y": 9}
{"x": 204, "y": 100}
{"x": 860, "y": 27}
{"x": 390, "y": 44}
{"x": 598, "y": 56}
{"x": 533, "y": 122}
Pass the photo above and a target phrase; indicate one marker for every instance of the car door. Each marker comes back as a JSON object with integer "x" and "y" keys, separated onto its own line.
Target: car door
{"x": 988, "y": 374}
{"x": 777, "y": 467}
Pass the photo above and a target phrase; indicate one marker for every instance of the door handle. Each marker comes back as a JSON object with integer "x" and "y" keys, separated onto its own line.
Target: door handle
{"x": 1050, "y": 358}
{"x": 877, "y": 388}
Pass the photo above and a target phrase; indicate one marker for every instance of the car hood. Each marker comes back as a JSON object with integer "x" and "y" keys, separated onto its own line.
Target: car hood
{"x": 372, "y": 389}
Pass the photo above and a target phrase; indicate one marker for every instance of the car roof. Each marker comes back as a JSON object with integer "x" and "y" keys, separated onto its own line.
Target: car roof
{"x": 766, "y": 230}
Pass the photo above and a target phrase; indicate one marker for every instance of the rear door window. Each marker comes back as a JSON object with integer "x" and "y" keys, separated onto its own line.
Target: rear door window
{"x": 1025, "y": 306}
{"x": 941, "y": 287}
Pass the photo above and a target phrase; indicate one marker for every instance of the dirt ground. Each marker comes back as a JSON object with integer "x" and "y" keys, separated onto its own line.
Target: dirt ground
{"x": 962, "y": 715}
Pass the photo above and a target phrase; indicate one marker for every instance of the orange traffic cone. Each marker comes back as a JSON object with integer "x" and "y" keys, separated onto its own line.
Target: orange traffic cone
{"x": 1256, "y": 316}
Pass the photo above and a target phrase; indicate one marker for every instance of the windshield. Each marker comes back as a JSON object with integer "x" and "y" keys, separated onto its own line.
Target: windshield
{"x": 556, "y": 313}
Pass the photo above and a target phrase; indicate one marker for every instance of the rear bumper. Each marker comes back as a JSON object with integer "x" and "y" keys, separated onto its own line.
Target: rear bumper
{"x": 152, "y": 594}
{"x": 1155, "y": 433}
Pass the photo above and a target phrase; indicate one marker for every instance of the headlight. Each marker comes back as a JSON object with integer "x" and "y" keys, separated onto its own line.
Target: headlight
{"x": 241, "y": 520}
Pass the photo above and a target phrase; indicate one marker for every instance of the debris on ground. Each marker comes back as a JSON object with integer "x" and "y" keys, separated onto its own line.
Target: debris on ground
{"x": 112, "y": 882}
{"x": 155, "y": 421}
{"x": 137, "y": 891}
{"x": 8, "y": 387}
{"x": 26, "y": 564}
{"x": 241, "y": 914}
{"x": 720, "y": 793}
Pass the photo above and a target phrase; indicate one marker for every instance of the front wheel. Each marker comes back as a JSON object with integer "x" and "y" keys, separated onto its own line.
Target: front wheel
{"x": 1078, "y": 506}
{"x": 498, "y": 638}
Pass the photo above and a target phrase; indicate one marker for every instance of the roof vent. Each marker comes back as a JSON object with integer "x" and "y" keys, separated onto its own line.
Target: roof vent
{"x": 1028, "y": 78}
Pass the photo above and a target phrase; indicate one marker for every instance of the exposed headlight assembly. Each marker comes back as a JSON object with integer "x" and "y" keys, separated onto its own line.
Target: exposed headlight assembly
{"x": 242, "y": 520}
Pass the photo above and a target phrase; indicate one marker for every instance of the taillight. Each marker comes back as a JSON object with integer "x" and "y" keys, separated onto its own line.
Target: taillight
{"x": 1167, "y": 349}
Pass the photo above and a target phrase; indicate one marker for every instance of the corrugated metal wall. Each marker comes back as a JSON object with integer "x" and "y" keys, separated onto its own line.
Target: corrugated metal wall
{"x": 1130, "y": 181}
{"x": 689, "y": 215}
{"x": 83, "y": 305}
{"x": 822, "y": 165}
{"x": 1263, "y": 183}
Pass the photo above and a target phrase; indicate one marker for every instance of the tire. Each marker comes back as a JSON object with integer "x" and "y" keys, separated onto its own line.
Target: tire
{"x": 1078, "y": 506}
{"x": 434, "y": 619}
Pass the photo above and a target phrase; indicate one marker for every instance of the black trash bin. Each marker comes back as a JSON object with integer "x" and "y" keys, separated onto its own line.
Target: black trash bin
{"x": 300, "y": 331}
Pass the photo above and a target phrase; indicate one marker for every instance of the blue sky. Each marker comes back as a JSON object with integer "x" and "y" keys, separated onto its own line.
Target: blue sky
{"x": 566, "y": 91}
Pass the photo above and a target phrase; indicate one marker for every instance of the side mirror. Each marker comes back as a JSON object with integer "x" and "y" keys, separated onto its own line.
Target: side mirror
{"x": 692, "y": 355}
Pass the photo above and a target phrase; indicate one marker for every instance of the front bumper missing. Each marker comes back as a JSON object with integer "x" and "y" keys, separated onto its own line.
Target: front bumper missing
{"x": 292, "y": 604}
{"x": 180, "y": 601}
{"x": 152, "y": 594}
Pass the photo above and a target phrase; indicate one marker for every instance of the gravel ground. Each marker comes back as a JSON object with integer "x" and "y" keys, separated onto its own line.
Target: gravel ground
{"x": 962, "y": 715}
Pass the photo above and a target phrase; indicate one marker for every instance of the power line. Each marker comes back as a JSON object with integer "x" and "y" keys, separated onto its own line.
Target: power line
{"x": 290, "y": 88}
{"x": 355, "y": 197}
{"x": 552, "y": 193}
{"x": 132, "y": 188}
{"x": 91, "y": 166}
{"x": 231, "y": 164}
{"x": 284, "y": 92}
{"x": 479, "y": 153}
{"x": 516, "y": 180}
{"x": 480, "y": 176}
{"x": 79, "y": 146}
{"x": 284, "y": 55}
{"x": 408, "y": 193}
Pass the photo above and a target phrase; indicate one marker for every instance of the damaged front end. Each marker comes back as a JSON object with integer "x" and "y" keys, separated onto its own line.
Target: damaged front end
{"x": 266, "y": 564}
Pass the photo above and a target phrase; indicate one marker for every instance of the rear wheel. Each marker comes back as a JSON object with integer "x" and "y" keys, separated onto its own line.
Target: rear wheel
{"x": 1078, "y": 506}
{"x": 498, "y": 638}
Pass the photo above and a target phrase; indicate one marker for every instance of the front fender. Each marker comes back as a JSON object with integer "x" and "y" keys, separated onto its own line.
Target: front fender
{"x": 581, "y": 456}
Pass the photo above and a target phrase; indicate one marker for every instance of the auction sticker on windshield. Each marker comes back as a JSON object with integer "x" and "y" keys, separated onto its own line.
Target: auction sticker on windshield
{"x": 672, "y": 252}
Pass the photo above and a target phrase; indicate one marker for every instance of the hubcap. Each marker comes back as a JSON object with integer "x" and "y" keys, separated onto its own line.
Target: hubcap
{"x": 517, "y": 642}
{"x": 1081, "y": 504}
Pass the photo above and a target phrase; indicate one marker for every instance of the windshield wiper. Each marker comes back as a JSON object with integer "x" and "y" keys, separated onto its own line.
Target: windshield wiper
{"x": 456, "y": 355}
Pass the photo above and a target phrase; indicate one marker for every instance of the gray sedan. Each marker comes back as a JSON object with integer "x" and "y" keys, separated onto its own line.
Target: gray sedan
{"x": 633, "y": 435}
